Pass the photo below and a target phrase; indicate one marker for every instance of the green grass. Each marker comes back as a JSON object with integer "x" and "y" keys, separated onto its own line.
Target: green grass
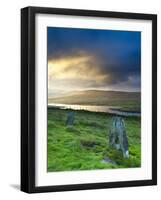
{"x": 85, "y": 145}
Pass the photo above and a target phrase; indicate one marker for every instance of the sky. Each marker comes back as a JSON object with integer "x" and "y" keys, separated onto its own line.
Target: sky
{"x": 85, "y": 59}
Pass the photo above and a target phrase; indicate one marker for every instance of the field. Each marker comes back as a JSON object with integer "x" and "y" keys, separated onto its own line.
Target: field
{"x": 85, "y": 146}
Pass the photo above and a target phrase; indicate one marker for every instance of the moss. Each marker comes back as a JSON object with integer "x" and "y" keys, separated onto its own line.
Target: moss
{"x": 84, "y": 145}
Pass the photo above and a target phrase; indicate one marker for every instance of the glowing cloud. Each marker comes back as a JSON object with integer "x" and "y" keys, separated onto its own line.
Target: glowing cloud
{"x": 80, "y": 59}
{"x": 83, "y": 69}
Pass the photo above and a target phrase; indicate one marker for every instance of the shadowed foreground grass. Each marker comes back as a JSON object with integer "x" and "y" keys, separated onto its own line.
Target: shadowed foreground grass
{"x": 85, "y": 145}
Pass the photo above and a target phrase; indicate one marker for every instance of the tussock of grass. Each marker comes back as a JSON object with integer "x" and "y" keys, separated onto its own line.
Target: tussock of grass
{"x": 84, "y": 145}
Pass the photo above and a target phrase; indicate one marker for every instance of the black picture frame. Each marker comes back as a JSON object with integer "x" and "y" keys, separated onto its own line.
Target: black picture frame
{"x": 28, "y": 98}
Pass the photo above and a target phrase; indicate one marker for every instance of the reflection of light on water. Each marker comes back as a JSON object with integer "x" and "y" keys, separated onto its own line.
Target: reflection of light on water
{"x": 106, "y": 109}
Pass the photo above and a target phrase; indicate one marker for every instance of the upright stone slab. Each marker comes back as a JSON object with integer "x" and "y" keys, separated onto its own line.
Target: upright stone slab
{"x": 118, "y": 137}
{"x": 70, "y": 119}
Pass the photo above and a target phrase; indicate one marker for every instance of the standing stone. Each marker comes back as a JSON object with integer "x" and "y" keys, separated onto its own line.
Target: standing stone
{"x": 117, "y": 136}
{"x": 70, "y": 119}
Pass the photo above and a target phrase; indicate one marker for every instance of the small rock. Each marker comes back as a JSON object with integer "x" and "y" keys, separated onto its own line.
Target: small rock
{"x": 108, "y": 160}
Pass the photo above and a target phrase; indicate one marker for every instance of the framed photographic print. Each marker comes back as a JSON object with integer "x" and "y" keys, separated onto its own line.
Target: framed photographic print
{"x": 88, "y": 99}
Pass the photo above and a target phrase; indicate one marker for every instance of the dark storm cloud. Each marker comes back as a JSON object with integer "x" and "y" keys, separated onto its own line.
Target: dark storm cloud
{"x": 118, "y": 53}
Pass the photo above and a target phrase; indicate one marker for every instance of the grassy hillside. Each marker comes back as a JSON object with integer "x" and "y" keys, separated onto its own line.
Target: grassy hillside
{"x": 129, "y": 101}
{"x": 85, "y": 145}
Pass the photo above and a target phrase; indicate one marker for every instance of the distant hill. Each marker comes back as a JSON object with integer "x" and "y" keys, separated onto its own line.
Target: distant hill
{"x": 101, "y": 97}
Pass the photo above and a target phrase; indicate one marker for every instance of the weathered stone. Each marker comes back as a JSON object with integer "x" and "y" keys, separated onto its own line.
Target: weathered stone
{"x": 70, "y": 119}
{"x": 108, "y": 160}
{"x": 118, "y": 137}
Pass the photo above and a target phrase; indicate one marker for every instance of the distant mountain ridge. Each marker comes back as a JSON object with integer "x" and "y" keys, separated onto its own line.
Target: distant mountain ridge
{"x": 98, "y": 97}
